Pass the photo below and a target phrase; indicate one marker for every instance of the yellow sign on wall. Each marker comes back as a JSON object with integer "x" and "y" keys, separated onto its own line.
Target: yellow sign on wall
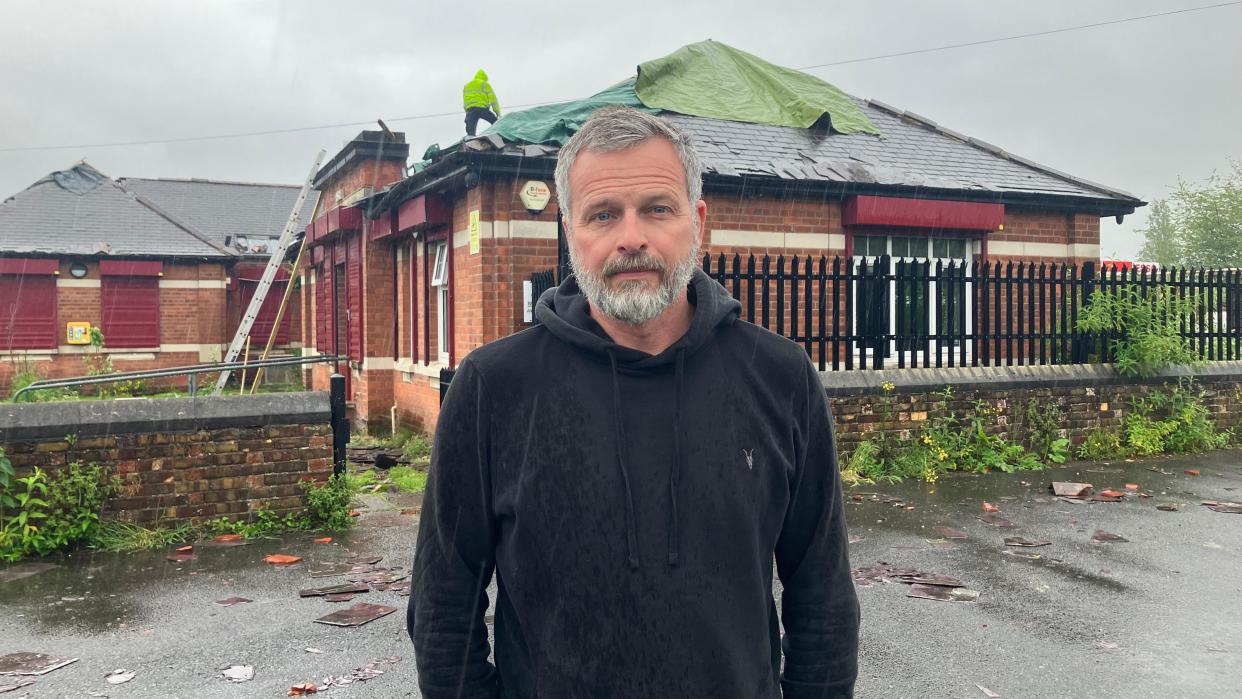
{"x": 474, "y": 232}
{"x": 78, "y": 333}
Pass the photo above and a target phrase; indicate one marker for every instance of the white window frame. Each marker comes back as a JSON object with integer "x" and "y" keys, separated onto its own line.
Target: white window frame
{"x": 440, "y": 281}
{"x": 864, "y": 354}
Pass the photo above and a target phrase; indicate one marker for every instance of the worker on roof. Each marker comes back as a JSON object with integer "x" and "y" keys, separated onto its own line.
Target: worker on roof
{"x": 479, "y": 101}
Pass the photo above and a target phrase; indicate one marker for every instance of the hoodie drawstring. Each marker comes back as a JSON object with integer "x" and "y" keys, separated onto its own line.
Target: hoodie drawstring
{"x": 630, "y": 525}
{"x": 674, "y": 532}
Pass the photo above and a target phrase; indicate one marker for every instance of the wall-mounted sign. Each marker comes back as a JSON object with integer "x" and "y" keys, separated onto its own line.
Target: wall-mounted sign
{"x": 535, "y": 196}
{"x": 78, "y": 333}
{"x": 528, "y": 308}
{"x": 474, "y": 232}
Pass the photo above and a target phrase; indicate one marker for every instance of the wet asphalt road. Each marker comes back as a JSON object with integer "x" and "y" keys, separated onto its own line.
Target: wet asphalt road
{"x": 1158, "y": 616}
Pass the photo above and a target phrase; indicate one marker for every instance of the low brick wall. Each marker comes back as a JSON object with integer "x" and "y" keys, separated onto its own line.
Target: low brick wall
{"x": 1088, "y": 396}
{"x": 182, "y": 459}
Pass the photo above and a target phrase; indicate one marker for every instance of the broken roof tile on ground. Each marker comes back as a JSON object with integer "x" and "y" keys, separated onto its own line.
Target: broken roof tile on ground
{"x": 996, "y": 521}
{"x": 1107, "y": 537}
{"x": 356, "y": 615}
{"x": 1066, "y": 489}
{"x": 25, "y": 663}
{"x": 1226, "y": 507}
{"x": 941, "y": 593}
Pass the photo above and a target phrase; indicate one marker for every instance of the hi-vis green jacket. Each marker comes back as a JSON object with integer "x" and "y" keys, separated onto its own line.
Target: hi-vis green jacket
{"x": 478, "y": 93}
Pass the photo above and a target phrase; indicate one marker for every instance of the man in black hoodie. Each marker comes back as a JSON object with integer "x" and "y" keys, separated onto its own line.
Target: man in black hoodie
{"x": 630, "y": 468}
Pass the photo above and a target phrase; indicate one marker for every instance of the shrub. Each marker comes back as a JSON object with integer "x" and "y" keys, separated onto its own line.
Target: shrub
{"x": 1149, "y": 325}
{"x": 1101, "y": 444}
{"x": 328, "y": 503}
{"x": 42, "y": 513}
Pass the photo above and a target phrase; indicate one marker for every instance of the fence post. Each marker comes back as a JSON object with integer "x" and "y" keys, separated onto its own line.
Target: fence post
{"x": 339, "y": 421}
{"x": 1083, "y": 346}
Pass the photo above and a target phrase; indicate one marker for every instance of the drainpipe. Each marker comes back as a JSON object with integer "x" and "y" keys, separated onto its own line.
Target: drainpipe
{"x": 392, "y": 418}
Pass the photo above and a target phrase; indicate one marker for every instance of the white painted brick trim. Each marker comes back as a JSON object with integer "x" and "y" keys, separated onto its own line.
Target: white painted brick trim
{"x": 777, "y": 239}
{"x": 1017, "y": 248}
{"x": 193, "y": 284}
{"x": 77, "y": 283}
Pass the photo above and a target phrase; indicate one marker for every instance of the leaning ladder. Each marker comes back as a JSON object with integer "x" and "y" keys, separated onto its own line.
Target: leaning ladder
{"x": 269, "y": 274}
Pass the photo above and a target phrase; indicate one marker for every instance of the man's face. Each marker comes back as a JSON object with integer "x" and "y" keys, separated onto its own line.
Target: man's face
{"x": 634, "y": 235}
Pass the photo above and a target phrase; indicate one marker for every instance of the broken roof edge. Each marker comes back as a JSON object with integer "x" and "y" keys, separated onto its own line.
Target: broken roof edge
{"x": 190, "y": 230}
{"x": 1002, "y": 153}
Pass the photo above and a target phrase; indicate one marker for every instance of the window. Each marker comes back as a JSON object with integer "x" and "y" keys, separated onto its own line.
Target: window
{"x": 439, "y": 280}
{"x": 439, "y": 273}
{"x": 130, "y": 304}
{"x": 27, "y": 305}
{"x": 912, "y": 305}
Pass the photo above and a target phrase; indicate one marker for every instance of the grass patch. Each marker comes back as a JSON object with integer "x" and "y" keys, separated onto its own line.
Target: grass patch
{"x": 408, "y": 479}
{"x": 122, "y": 537}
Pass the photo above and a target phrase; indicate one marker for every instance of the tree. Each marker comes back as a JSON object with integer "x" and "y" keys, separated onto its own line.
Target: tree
{"x": 1198, "y": 226}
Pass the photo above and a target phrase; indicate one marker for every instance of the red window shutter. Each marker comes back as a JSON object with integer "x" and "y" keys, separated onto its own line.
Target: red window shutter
{"x": 27, "y": 312}
{"x": 323, "y": 308}
{"x": 131, "y": 311}
{"x": 353, "y": 277}
{"x": 261, "y": 330}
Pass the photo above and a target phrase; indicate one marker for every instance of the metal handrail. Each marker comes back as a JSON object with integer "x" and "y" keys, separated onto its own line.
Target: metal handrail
{"x": 192, "y": 371}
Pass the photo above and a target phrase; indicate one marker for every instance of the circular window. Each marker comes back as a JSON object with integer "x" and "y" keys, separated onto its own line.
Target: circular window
{"x": 77, "y": 270}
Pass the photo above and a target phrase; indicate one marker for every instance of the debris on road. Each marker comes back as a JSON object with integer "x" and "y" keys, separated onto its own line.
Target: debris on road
{"x": 1132, "y": 486}
{"x": 232, "y": 601}
{"x": 1169, "y": 507}
{"x": 300, "y": 690}
{"x": 941, "y": 593}
{"x": 14, "y": 683}
{"x": 987, "y": 692}
{"x": 225, "y": 541}
{"x": 1029, "y": 543}
{"x": 942, "y": 544}
{"x": 360, "y": 674}
{"x": 323, "y": 540}
{"x": 23, "y": 663}
{"x": 24, "y": 570}
{"x": 1066, "y": 489}
{"x": 239, "y": 673}
{"x": 120, "y": 676}
{"x": 1022, "y": 553}
{"x": 950, "y": 533}
{"x": 344, "y": 588}
{"x": 281, "y": 559}
{"x": 989, "y": 507}
{"x": 357, "y": 615}
{"x": 1109, "y": 495}
{"x": 1107, "y": 537}
{"x": 316, "y": 651}
{"x": 996, "y": 521}
{"x": 1226, "y": 507}
{"x": 1191, "y": 472}
{"x": 340, "y": 597}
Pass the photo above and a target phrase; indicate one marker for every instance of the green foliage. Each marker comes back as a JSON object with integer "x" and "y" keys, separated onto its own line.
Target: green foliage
{"x": 100, "y": 364}
{"x": 1164, "y": 422}
{"x": 25, "y": 376}
{"x": 1198, "y": 225}
{"x": 328, "y": 503}
{"x": 1040, "y": 425}
{"x": 408, "y": 479}
{"x": 1101, "y": 444}
{"x": 42, "y": 513}
{"x": 1173, "y": 422}
{"x": 262, "y": 523}
{"x": 946, "y": 443}
{"x": 123, "y": 537}
{"x": 1146, "y": 328}
{"x": 417, "y": 447}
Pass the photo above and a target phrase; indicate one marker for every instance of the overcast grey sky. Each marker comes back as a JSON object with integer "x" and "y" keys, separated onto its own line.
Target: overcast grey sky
{"x": 1134, "y": 105}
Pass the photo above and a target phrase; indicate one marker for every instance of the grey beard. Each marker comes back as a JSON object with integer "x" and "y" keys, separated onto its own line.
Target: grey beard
{"x": 631, "y": 302}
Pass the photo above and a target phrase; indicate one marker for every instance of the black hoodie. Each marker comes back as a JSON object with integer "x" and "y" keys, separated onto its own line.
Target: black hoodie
{"x": 630, "y": 506}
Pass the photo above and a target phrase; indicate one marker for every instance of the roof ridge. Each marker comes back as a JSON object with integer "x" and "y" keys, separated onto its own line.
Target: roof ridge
{"x": 172, "y": 219}
{"x": 997, "y": 150}
{"x": 201, "y": 180}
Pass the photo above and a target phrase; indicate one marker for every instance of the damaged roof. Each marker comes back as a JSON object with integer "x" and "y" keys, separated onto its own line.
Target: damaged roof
{"x": 81, "y": 211}
{"x": 914, "y": 152}
{"x": 226, "y": 210}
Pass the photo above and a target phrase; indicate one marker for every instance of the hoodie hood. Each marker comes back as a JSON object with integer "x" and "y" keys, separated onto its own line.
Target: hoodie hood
{"x": 564, "y": 311}
{"x": 480, "y": 75}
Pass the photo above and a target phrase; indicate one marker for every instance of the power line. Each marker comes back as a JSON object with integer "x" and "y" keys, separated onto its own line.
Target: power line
{"x": 1022, "y": 36}
{"x": 436, "y": 115}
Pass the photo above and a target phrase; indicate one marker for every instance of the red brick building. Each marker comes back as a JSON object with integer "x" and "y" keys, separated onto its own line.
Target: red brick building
{"x": 162, "y": 267}
{"x": 423, "y": 269}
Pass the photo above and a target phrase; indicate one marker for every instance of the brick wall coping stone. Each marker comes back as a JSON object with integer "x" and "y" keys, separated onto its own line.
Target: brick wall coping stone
{"x": 39, "y": 421}
{"x": 906, "y": 381}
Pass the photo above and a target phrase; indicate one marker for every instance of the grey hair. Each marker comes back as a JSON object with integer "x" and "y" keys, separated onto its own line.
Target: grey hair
{"x": 616, "y": 128}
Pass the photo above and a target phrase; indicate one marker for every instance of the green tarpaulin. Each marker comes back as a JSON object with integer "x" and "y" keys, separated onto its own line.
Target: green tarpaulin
{"x": 555, "y": 123}
{"x": 710, "y": 79}
{"x": 707, "y": 79}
